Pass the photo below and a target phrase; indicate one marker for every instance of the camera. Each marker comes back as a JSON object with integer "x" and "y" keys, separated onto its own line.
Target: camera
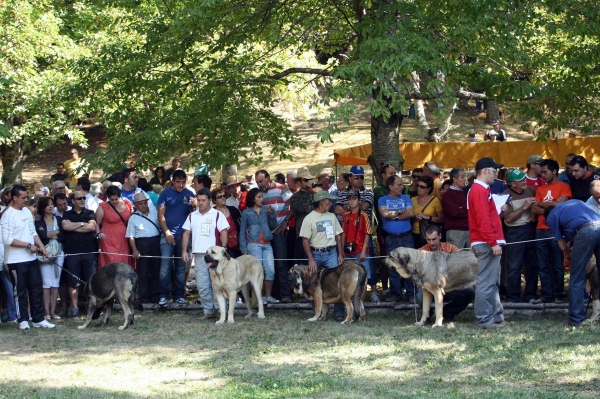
{"x": 350, "y": 247}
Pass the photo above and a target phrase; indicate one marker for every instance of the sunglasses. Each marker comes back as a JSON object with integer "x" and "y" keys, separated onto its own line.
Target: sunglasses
{"x": 359, "y": 177}
{"x": 416, "y": 176}
{"x": 420, "y": 186}
{"x": 220, "y": 196}
{"x": 306, "y": 180}
{"x": 79, "y": 198}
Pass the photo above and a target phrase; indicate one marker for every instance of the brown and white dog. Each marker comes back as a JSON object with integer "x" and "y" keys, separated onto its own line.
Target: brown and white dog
{"x": 346, "y": 283}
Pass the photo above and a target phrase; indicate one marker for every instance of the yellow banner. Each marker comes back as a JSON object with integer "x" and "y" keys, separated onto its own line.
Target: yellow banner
{"x": 511, "y": 154}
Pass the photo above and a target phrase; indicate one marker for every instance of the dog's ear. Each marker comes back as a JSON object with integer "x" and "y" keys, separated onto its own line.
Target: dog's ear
{"x": 226, "y": 254}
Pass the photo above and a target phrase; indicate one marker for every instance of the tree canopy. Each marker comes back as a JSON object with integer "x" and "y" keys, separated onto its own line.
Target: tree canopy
{"x": 200, "y": 76}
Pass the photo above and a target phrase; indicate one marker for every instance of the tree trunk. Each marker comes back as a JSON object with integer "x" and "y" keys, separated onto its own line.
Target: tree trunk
{"x": 419, "y": 106}
{"x": 228, "y": 170}
{"x": 492, "y": 112}
{"x": 13, "y": 156}
{"x": 385, "y": 139}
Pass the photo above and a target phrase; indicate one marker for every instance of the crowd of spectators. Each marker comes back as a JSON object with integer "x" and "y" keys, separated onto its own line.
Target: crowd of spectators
{"x": 293, "y": 218}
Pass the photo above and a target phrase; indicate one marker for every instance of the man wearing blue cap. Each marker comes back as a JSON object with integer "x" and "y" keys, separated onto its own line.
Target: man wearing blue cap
{"x": 357, "y": 180}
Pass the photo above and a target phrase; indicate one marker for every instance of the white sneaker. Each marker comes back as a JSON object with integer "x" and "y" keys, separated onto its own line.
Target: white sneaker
{"x": 24, "y": 325}
{"x": 43, "y": 324}
{"x": 270, "y": 299}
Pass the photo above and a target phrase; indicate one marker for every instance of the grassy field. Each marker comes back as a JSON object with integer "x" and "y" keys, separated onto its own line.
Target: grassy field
{"x": 176, "y": 355}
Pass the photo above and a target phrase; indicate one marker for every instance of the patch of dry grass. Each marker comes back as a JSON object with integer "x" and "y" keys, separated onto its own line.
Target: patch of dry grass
{"x": 175, "y": 355}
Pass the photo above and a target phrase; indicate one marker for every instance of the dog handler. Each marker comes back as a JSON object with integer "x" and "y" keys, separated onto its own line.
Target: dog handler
{"x": 487, "y": 238}
{"x": 321, "y": 238}
{"x": 574, "y": 221}
{"x": 203, "y": 225}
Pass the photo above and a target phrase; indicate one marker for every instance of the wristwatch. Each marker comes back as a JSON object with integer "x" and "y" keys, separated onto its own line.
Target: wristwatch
{"x": 80, "y": 224}
{"x": 28, "y": 246}
{"x": 396, "y": 218}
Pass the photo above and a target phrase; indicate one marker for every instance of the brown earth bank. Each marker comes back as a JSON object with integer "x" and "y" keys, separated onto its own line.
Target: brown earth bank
{"x": 315, "y": 156}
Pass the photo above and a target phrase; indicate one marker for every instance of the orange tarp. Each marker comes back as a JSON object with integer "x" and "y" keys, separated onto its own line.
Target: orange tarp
{"x": 465, "y": 155}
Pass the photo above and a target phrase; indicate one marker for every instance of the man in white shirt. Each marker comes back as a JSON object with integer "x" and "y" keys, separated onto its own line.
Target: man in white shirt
{"x": 22, "y": 243}
{"x": 92, "y": 203}
{"x": 203, "y": 225}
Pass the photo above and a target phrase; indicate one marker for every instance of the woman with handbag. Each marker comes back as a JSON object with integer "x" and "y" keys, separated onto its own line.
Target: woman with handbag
{"x": 111, "y": 224}
{"x": 257, "y": 224}
{"x": 427, "y": 209}
{"x": 233, "y": 217}
{"x": 47, "y": 228}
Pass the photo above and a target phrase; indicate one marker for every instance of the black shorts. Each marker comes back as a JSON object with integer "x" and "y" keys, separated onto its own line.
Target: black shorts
{"x": 82, "y": 266}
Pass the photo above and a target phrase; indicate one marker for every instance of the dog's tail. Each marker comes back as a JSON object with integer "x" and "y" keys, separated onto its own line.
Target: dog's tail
{"x": 359, "y": 293}
{"x": 132, "y": 300}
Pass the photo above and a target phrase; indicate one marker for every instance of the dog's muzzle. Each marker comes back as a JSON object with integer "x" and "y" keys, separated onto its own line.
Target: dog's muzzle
{"x": 210, "y": 262}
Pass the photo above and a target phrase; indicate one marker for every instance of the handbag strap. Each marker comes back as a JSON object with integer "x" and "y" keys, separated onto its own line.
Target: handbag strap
{"x": 148, "y": 219}
{"x": 115, "y": 209}
{"x": 427, "y": 204}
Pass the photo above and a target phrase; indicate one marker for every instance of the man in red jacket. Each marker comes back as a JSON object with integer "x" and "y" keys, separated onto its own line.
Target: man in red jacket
{"x": 486, "y": 234}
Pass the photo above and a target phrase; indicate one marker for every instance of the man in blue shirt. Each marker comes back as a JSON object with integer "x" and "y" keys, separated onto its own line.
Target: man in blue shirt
{"x": 574, "y": 221}
{"x": 396, "y": 210}
{"x": 174, "y": 206}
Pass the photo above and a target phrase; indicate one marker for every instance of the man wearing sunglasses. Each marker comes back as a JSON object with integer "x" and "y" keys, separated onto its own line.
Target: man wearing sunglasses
{"x": 533, "y": 178}
{"x": 79, "y": 228}
{"x": 486, "y": 240}
{"x": 357, "y": 180}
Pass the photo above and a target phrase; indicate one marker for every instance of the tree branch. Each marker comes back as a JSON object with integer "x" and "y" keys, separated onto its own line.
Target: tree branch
{"x": 290, "y": 71}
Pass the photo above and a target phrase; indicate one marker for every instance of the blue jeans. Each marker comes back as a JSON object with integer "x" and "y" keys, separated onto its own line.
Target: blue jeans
{"x": 167, "y": 273}
{"x": 11, "y": 307}
{"x": 264, "y": 253}
{"x": 587, "y": 241}
{"x": 329, "y": 260}
{"x": 550, "y": 266}
{"x": 488, "y": 308}
{"x": 396, "y": 282}
{"x": 367, "y": 263}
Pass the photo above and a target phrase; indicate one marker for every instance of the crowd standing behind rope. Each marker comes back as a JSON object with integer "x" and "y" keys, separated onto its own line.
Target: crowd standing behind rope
{"x": 163, "y": 226}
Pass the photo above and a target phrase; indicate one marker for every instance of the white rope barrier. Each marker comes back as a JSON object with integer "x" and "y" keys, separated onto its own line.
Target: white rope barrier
{"x": 289, "y": 259}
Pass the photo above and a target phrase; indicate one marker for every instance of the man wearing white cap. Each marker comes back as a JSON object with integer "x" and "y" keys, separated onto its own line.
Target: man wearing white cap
{"x": 144, "y": 239}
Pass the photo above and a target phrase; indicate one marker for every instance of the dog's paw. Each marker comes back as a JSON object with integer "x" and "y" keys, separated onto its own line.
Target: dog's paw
{"x": 230, "y": 321}
{"x": 313, "y": 319}
{"x": 261, "y": 316}
{"x": 436, "y": 325}
{"x": 249, "y": 315}
{"x": 121, "y": 328}
{"x": 82, "y": 327}
{"x": 219, "y": 322}
{"x": 420, "y": 323}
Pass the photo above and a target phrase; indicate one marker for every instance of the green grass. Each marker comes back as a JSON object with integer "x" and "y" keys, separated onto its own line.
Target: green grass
{"x": 175, "y": 355}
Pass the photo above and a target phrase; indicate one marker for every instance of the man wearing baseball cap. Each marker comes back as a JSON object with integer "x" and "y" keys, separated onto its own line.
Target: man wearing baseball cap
{"x": 520, "y": 228}
{"x": 533, "y": 178}
{"x": 496, "y": 134}
{"x": 357, "y": 180}
{"x": 487, "y": 238}
{"x": 144, "y": 234}
{"x": 322, "y": 240}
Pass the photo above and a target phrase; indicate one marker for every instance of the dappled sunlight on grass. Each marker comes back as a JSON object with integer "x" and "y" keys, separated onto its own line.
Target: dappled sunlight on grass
{"x": 174, "y": 354}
